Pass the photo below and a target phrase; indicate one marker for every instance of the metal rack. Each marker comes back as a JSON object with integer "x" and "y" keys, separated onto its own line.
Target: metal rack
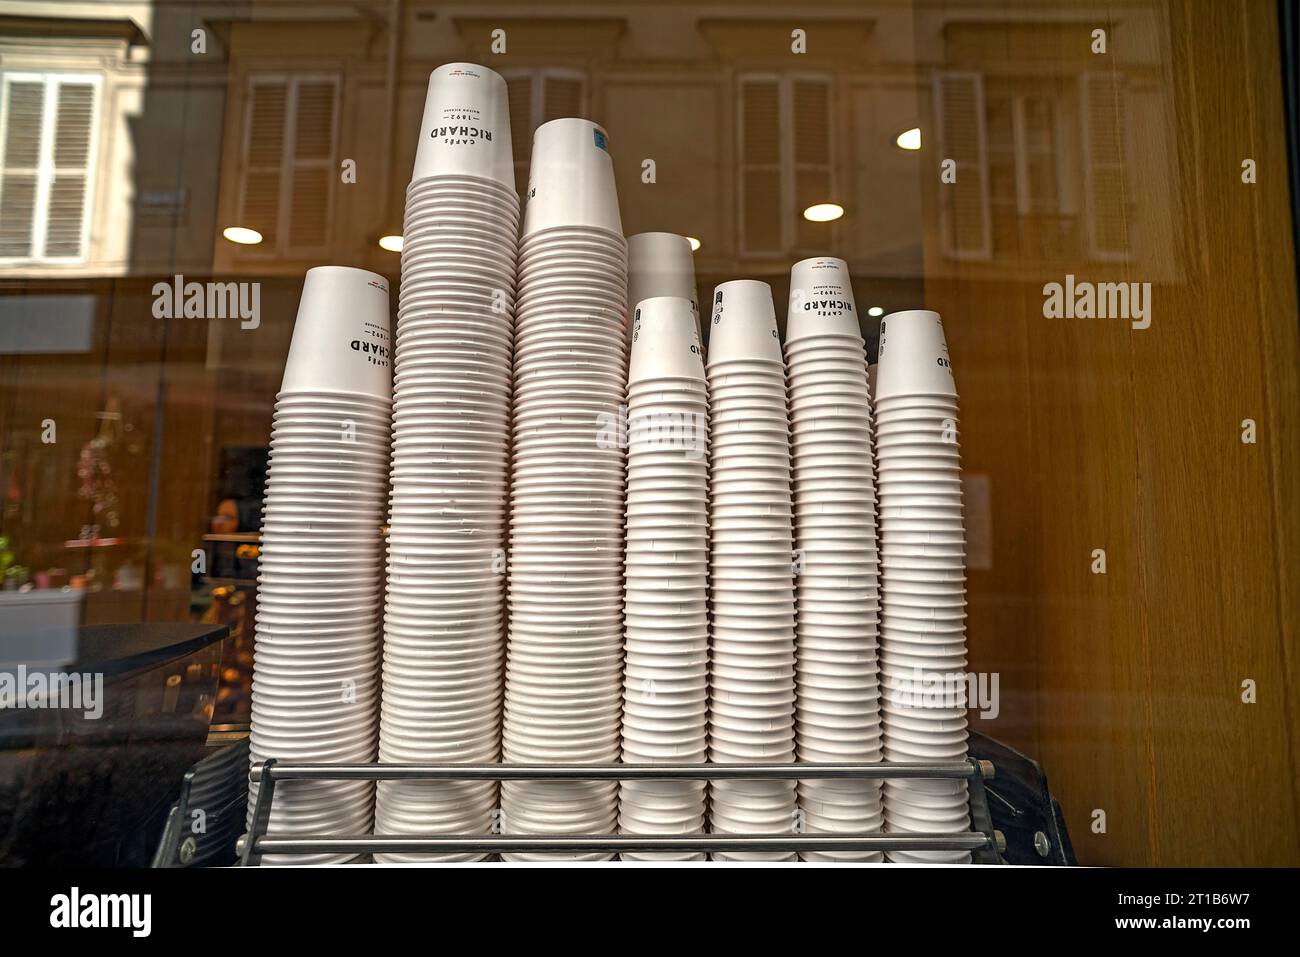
{"x": 982, "y": 841}
{"x": 218, "y": 786}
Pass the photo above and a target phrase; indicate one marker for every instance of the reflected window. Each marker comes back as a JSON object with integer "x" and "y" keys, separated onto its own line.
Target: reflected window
{"x": 536, "y": 97}
{"x": 47, "y": 150}
{"x": 1026, "y": 159}
{"x": 784, "y": 136}
{"x": 1108, "y": 197}
{"x": 288, "y": 165}
{"x": 1040, "y": 168}
{"x": 965, "y": 216}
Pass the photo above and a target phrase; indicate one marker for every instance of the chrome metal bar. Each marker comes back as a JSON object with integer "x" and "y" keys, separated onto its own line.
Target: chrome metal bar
{"x": 250, "y": 855}
{"x": 617, "y": 843}
{"x": 257, "y": 842}
{"x": 615, "y": 772}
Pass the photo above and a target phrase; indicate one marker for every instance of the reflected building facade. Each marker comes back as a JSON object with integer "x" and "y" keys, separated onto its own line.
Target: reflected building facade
{"x": 133, "y": 134}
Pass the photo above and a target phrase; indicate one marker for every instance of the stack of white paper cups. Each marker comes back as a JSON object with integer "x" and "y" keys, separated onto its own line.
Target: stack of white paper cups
{"x": 315, "y": 675}
{"x": 923, "y": 616}
{"x": 752, "y": 672}
{"x": 444, "y": 641}
{"x": 565, "y": 660}
{"x": 661, "y": 264}
{"x": 665, "y": 685}
{"x": 837, "y": 706}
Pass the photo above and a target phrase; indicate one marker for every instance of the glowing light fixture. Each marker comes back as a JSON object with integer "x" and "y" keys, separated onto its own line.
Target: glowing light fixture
{"x": 242, "y": 235}
{"x": 695, "y": 243}
{"x": 909, "y": 139}
{"x": 823, "y": 212}
{"x": 392, "y": 243}
{"x": 875, "y": 311}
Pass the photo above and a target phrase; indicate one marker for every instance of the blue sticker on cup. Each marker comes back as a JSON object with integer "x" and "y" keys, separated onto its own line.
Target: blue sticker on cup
{"x": 601, "y": 142}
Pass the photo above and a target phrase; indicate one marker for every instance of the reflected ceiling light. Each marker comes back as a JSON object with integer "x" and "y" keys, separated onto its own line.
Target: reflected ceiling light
{"x": 875, "y": 311}
{"x": 909, "y": 139}
{"x": 242, "y": 235}
{"x": 695, "y": 243}
{"x": 823, "y": 212}
{"x": 392, "y": 243}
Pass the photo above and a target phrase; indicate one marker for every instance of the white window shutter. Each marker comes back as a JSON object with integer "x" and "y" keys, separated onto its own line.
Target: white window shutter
{"x": 290, "y": 136}
{"x": 67, "y": 213}
{"x": 810, "y": 123}
{"x": 760, "y": 194}
{"x": 265, "y": 115}
{"x": 47, "y": 142}
{"x": 313, "y": 170}
{"x": 24, "y": 117}
{"x": 1106, "y": 190}
{"x": 964, "y": 223}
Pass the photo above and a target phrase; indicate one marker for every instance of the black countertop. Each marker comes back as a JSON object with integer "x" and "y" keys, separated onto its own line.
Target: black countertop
{"x": 118, "y": 649}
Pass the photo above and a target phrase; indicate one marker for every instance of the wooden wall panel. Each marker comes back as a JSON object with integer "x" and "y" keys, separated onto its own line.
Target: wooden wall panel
{"x": 1211, "y": 586}
{"x": 1097, "y": 435}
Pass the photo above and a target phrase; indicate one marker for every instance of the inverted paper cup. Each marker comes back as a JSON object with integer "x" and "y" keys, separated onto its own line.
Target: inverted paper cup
{"x": 463, "y": 205}
{"x": 665, "y": 345}
{"x": 360, "y": 422}
{"x": 484, "y": 232}
{"x": 315, "y": 401}
{"x": 576, "y": 247}
{"x": 752, "y": 368}
{"x": 557, "y": 252}
{"x": 483, "y": 221}
{"x": 743, "y": 322}
{"x": 465, "y": 131}
{"x": 913, "y": 356}
{"x": 341, "y": 341}
{"x": 821, "y": 299}
{"x": 496, "y": 275}
{"x": 926, "y": 427}
{"x": 747, "y": 404}
{"x": 764, "y": 385}
{"x": 907, "y": 404}
{"x": 903, "y": 479}
{"x": 913, "y": 447}
{"x": 573, "y": 232}
{"x": 571, "y": 179}
{"x": 819, "y": 366}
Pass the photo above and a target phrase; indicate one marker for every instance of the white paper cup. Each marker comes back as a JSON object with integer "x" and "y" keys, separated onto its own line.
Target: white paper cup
{"x": 465, "y": 131}
{"x": 470, "y": 188}
{"x": 743, "y": 322}
{"x": 341, "y": 340}
{"x": 821, "y": 299}
{"x": 551, "y": 250}
{"x": 832, "y": 349}
{"x": 571, "y": 179}
{"x": 913, "y": 356}
{"x": 664, "y": 343}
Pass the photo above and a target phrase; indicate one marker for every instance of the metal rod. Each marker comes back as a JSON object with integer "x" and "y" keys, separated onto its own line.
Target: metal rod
{"x": 587, "y": 843}
{"x": 981, "y": 817}
{"x": 611, "y": 772}
{"x": 982, "y": 843}
{"x": 251, "y": 855}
